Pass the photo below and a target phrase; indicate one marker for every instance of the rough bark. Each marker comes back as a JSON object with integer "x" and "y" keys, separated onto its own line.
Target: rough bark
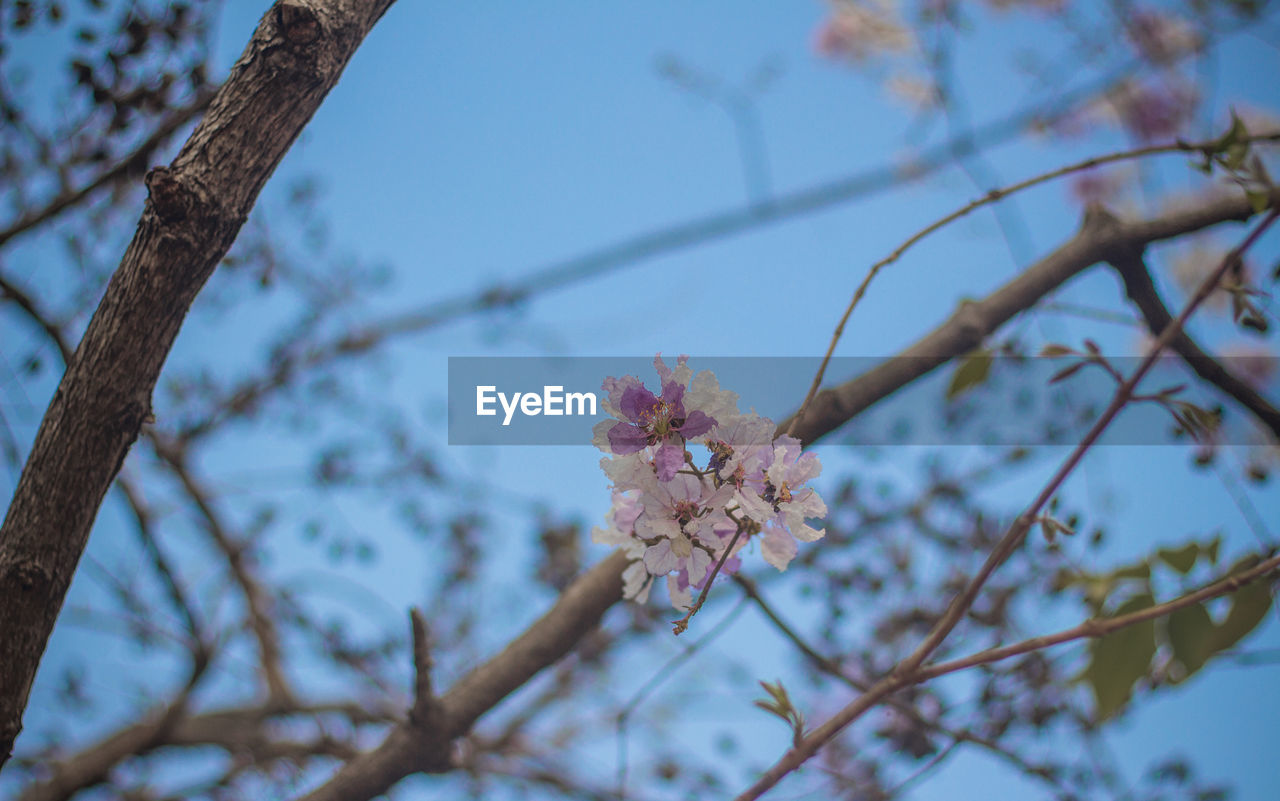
{"x": 194, "y": 210}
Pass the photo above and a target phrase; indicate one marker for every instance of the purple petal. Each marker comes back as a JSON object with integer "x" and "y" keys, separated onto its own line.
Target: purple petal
{"x": 696, "y": 424}
{"x": 636, "y": 400}
{"x": 669, "y": 460}
{"x": 616, "y": 386}
{"x": 673, "y": 394}
{"x": 625, "y": 438}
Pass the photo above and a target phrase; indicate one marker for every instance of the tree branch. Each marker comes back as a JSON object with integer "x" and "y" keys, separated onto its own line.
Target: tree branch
{"x": 961, "y": 603}
{"x": 406, "y": 750}
{"x": 236, "y": 730}
{"x": 257, "y": 598}
{"x": 1133, "y": 271}
{"x": 652, "y": 244}
{"x": 1101, "y": 237}
{"x": 133, "y": 163}
{"x": 195, "y": 208}
{"x": 585, "y": 601}
{"x": 832, "y": 668}
{"x": 1099, "y": 627}
{"x": 991, "y": 196}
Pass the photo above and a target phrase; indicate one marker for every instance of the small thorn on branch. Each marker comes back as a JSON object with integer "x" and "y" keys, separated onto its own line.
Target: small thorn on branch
{"x": 426, "y": 716}
{"x": 424, "y": 700}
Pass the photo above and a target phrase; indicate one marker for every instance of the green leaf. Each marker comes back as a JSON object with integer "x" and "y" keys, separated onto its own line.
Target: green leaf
{"x": 1066, "y": 372}
{"x": 1198, "y": 422}
{"x": 1180, "y": 559}
{"x": 1119, "y": 659}
{"x": 1259, "y": 199}
{"x": 1234, "y": 135}
{"x": 782, "y": 707}
{"x": 1249, "y": 607}
{"x": 1053, "y": 349}
{"x": 1190, "y": 631}
{"x": 1142, "y": 570}
{"x": 1236, "y": 154}
{"x": 972, "y": 372}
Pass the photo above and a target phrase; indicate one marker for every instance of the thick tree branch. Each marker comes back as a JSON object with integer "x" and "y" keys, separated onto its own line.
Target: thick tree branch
{"x": 239, "y": 731}
{"x": 1138, "y": 285}
{"x": 195, "y": 208}
{"x": 583, "y": 604}
{"x": 1100, "y": 238}
{"x": 261, "y": 622}
{"x": 408, "y": 749}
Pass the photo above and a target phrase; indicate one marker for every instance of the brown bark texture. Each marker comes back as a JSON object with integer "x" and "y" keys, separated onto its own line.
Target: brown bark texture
{"x": 195, "y": 208}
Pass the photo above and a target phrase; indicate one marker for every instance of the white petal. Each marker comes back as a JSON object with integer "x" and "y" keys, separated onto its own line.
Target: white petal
{"x": 600, "y": 434}
{"x": 636, "y": 582}
{"x": 608, "y": 536}
{"x": 697, "y": 566}
{"x": 659, "y": 559}
{"x": 680, "y": 599}
{"x": 806, "y": 533}
{"x": 778, "y": 548}
{"x": 705, "y": 394}
{"x": 755, "y": 508}
{"x": 628, "y": 472}
{"x": 649, "y": 527}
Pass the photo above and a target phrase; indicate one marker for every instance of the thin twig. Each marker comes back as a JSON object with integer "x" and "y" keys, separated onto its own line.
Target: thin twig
{"x": 136, "y": 160}
{"x": 662, "y": 674}
{"x": 248, "y": 394}
{"x": 832, "y": 668}
{"x": 1099, "y": 627}
{"x": 683, "y": 623}
{"x": 257, "y": 600}
{"x": 903, "y": 674}
{"x": 990, "y": 197}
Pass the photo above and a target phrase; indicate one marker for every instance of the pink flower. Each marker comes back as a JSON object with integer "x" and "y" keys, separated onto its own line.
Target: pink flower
{"x": 1157, "y": 111}
{"x": 776, "y": 498}
{"x": 665, "y": 421}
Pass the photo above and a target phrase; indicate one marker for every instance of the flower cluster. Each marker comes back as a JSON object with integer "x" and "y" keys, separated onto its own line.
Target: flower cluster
{"x": 676, "y": 519}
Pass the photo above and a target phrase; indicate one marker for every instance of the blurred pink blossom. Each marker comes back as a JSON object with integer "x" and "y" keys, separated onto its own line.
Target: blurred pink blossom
{"x": 856, "y": 31}
{"x": 1155, "y": 111}
{"x": 1160, "y": 37}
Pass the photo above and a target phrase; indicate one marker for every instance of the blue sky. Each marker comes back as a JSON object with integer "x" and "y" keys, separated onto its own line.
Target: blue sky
{"x": 469, "y": 144}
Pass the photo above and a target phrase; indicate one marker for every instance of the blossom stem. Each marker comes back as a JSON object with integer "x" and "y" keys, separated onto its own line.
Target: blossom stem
{"x": 683, "y": 623}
